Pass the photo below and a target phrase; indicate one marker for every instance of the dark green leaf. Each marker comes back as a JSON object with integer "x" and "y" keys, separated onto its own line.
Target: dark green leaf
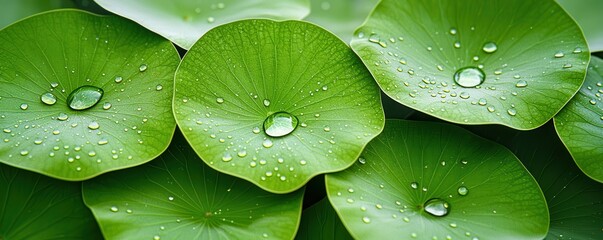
{"x": 320, "y": 221}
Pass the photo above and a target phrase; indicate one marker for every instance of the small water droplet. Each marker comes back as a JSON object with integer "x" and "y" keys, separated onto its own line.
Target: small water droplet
{"x": 457, "y": 44}
{"x": 171, "y": 198}
{"x": 491, "y": 109}
{"x": 107, "y": 106}
{"x": 462, "y": 190}
{"x": 220, "y": 100}
{"x": 327, "y": 129}
{"x": 464, "y": 95}
{"x": 469, "y": 77}
{"x": 453, "y": 31}
{"x": 521, "y": 84}
{"x": 436, "y": 207}
{"x": 118, "y": 79}
{"x": 159, "y": 87}
{"x": 84, "y": 97}
{"x": 48, "y": 98}
{"x": 267, "y": 143}
{"x": 414, "y": 185}
{"x": 62, "y": 117}
{"x": 54, "y": 84}
{"x": 24, "y": 106}
{"x": 242, "y": 153}
{"x": 361, "y": 160}
{"x": 366, "y": 220}
{"x": 490, "y": 47}
{"x": 266, "y": 102}
{"x": 256, "y": 130}
{"x": 114, "y": 209}
{"x": 592, "y": 101}
{"x": 211, "y": 19}
{"x": 142, "y": 68}
{"x": 103, "y": 141}
{"x": 482, "y": 102}
{"x": 280, "y": 124}
{"x": 577, "y": 50}
{"x": 24, "y": 152}
{"x": 559, "y": 54}
{"x": 567, "y": 65}
{"x": 453, "y": 225}
{"x": 512, "y": 111}
{"x": 93, "y": 125}
{"x": 226, "y": 157}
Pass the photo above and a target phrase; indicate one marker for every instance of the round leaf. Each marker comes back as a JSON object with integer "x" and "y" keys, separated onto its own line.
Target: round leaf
{"x": 586, "y": 13}
{"x": 580, "y": 123}
{"x": 184, "y": 21}
{"x": 529, "y": 56}
{"x": 240, "y": 74}
{"x": 341, "y": 17}
{"x": 432, "y": 180}
{"x": 177, "y": 196}
{"x": 43, "y": 59}
{"x": 33, "y": 206}
{"x": 320, "y": 221}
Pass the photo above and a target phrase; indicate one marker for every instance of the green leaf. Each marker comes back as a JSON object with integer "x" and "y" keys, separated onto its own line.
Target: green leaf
{"x": 33, "y": 206}
{"x": 411, "y": 166}
{"x": 531, "y": 56}
{"x": 586, "y": 13}
{"x": 341, "y": 17}
{"x": 12, "y": 11}
{"x": 46, "y": 57}
{"x": 574, "y": 200}
{"x": 580, "y": 123}
{"x": 177, "y": 196}
{"x": 240, "y": 74}
{"x": 320, "y": 221}
{"x": 184, "y": 21}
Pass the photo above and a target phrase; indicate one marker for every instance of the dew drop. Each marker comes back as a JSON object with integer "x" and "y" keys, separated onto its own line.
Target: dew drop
{"x": 48, "y": 98}
{"x": 436, "y": 207}
{"x": 24, "y": 152}
{"x": 118, "y": 79}
{"x": 366, "y": 220}
{"x": 256, "y": 130}
{"x": 577, "y": 50}
{"x": 490, "y": 47}
{"x": 24, "y": 106}
{"x": 567, "y": 65}
{"x": 84, "y": 97}
{"x": 414, "y": 185}
{"x": 93, "y": 125}
{"x": 469, "y": 77}
{"x": 107, "y": 106}
{"x": 521, "y": 84}
{"x": 267, "y": 143}
{"x": 220, "y": 100}
{"x": 63, "y": 116}
{"x": 142, "y": 68}
{"x": 462, "y": 190}
{"x": 266, "y": 102}
{"x": 457, "y": 44}
{"x": 464, "y": 95}
{"x": 491, "y": 109}
{"x": 280, "y": 124}
{"x": 361, "y": 160}
{"x": 227, "y": 157}
{"x": 559, "y": 54}
{"x": 242, "y": 153}
{"x": 54, "y": 84}
{"x": 453, "y": 31}
{"x": 159, "y": 87}
{"x": 512, "y": 111}
{"x": 482, "y": 102}
{"x": 114, "y": 209}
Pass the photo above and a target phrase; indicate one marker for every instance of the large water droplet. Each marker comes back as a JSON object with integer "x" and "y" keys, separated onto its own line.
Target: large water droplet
{"x": 280, "y": 124}
{"x": 490, "y": 47}
{"x": 469, "y": 77}
{"x": 84, "y": 97}
{"x": 48, "y": 98}
{"x": 436, "y": 207}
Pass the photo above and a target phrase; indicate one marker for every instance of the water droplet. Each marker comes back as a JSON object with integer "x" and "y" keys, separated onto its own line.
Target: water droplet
{"x": 211, "y": 19}
{"x": 453, "y": 31}
{"x": 220, "y": 100}
{"x": 512, "y": 111}
{"x": 327, "y": 129}
{"x": 84, "y": 97}
{"x": 48, "y": 98}
{"x": 414, "y": 185}
{"x": 24, "y": 152}
{"x": 54, "y": 84}
{"x": 266, "y": 102}
{"x": 114, "y": 209}
{"x": 242, "y": 153}
{"x": 227, "y": 157}
{"x": 361, "y": 160}
{"x": 159, "y": 87}
{"x": 142, "y": 68}
{"x": 559, "y": 54}
{"x": 457, "y": 44}
{"x": 436, "y": 207}
{"x": 521, "y": 84}
{"x": 469, "y": 77}
{"x": 482, "y": 102}
{"x": 592, "y": 102}
{"x": 118, "y": 79}
{"x": 462, "y": 190}
{"x": 267, "y": 143}
{"x": 171, "y": 198}
{"x": 366, "y": 220}
{"x": 577, "y": 50}
{"x": 156, "y": 237}
{"x": 62, "y": 117}
{"x": 464, "y": 95}
{"x": 107, "y": 106}
{"x": 24, "y": 106}
{"x": 491, "y": 109}
{"x": 453, "y": 225}
{"x": 490, "y": 47}
{"x": 567, "y": 65}
{"x": 103, "y": 142}
{"x": 255, "y": 130}
{"x": 93, "y": 125}
{"x": 280, "y": 124}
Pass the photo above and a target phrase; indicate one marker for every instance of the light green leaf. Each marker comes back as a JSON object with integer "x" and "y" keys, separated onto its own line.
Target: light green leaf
{"x": 177, "y": 196}
{"x": 320, "y": 221}
{"x": 12, "y": 10}
{"x": 587, "y": 14}
{"x": 240, "y": 74}
{"x": 431, "y": 180}
{"x": 46, "y": 57}
{"x": 529, "y": 56}
{"x": 341, "y": 17}
{"x": 184, "y": 21}
{"x": 33, "y": 206}
{"x": 580, "y": 123}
